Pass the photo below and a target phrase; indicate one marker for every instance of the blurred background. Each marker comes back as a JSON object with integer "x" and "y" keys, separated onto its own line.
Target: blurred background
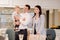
{"x": 50, "y": 8}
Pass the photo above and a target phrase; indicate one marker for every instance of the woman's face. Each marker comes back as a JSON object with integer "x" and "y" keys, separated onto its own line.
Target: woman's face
{"x": 36, "y": 10}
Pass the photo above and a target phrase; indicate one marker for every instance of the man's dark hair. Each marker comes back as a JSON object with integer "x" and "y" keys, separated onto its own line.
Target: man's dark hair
{"x": 28, "y": 6}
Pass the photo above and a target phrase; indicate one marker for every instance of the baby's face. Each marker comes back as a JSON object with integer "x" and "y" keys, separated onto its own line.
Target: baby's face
{"x": 17, "y": 9}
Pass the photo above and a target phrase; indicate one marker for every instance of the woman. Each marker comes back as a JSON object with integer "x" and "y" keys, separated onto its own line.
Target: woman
{"x": 38, "y": 21}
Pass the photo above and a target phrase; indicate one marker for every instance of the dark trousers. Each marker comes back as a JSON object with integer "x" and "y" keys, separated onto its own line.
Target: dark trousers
{"x": 22, "y": 31}
{"x": 35, "y": 31}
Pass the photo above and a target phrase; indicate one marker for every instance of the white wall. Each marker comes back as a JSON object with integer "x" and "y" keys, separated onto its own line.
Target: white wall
{"x": 48, "y": 4}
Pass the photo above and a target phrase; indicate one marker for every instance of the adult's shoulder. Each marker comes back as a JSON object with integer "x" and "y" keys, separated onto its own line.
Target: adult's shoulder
{"x": 42, "y": 17}
{"x": 31, "y": 14}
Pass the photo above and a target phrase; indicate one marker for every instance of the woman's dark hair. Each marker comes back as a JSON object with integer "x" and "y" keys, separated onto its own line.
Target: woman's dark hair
{"x": 39, "y": 7}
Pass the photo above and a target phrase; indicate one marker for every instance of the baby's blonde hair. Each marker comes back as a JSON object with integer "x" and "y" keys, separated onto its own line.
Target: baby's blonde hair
{"x": 17, "y": 6}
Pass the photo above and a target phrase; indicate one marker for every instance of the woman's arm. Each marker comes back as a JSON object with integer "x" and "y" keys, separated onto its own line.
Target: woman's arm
{"x": 41, "y": 29}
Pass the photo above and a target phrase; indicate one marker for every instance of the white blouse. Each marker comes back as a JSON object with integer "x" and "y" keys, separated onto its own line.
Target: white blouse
{"x": 40, "y": 24}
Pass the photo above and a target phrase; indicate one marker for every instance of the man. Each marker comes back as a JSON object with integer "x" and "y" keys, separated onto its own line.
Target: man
{"x": 25, "y": 17}
{"x": 25, "y": 20}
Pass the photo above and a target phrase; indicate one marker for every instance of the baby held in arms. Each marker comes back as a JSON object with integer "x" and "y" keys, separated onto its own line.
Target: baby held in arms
{"x": 19, "y": 20}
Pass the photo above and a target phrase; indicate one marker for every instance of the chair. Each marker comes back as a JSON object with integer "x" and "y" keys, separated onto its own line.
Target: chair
{"x": 50, "y": 33}
{"x": 11, "y": 34}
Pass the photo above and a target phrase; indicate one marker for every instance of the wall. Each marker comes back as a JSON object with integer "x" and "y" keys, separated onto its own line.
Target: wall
{"x": 57, "y": 18}
{"x": 54, "y": 18}
{"x": 48, "y": 4}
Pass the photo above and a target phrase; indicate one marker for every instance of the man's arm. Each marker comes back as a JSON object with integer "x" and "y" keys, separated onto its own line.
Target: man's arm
{"x": 26, "y": 20}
